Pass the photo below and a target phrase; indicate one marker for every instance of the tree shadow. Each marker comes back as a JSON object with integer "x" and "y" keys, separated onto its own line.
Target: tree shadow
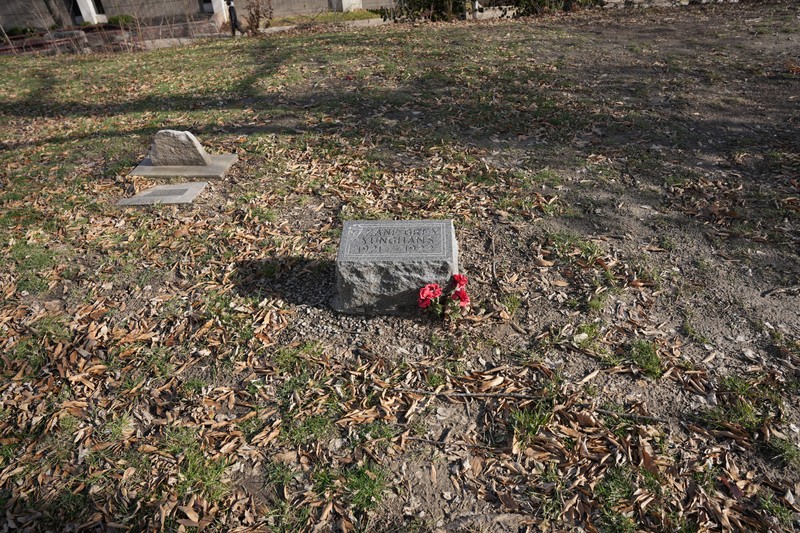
{"x": 637, "y": 107}
{"x": 295, "y": 279}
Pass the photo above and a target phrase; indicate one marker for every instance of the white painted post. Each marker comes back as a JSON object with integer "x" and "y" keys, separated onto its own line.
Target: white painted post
{"x": 220, "y": 7}
{"x": 88, "y": 13}
{"x": 351, "y": 5}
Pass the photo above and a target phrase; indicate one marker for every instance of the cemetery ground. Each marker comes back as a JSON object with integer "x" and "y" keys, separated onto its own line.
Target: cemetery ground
{"x": 625, "y": 188}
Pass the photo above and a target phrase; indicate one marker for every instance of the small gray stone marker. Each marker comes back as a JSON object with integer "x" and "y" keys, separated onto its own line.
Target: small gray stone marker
{"x": 178, "y": 193}
{"x": 382, "y": 264}
{"x": 179, "y": 153}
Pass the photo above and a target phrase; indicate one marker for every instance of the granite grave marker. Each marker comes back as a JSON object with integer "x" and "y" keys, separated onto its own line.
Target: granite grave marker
{"x": 179, "y": 153}
{"x": 382, "y": 264}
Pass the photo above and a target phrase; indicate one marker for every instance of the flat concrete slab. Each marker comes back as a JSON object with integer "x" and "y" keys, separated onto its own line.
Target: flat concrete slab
{"x": 178, "y": 193}
{"x": 217, "y": 169}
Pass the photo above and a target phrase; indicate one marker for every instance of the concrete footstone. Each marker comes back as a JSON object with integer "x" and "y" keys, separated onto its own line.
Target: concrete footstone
{"x": 177, "y": 193}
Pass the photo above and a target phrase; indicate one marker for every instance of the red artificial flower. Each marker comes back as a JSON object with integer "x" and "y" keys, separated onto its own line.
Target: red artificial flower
{"x": 424, "y": 303}
{"x": 460, "y": 280}
{"x": 430, "y": 291}
{"x": 461, "y": 296}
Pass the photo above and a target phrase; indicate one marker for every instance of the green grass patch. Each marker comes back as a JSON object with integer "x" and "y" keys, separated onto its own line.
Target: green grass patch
{"x": 193, "y": 386}
{"x": 19, "y": 216}
{"x": 787, "y": 348}
{"x": 597, "y": 302}
{"x": 563, "y": 244}
{"x": 552, "y": 502}
{"x": 309, "y": 430}
{"x": 770, "y": 505}
{"x": 117, "y": 428}
{"x": 364, "y": 486}
{"x": 33, "y": 350}
{"x": 512, "y": 302}
{"x": 67, "y": 507}
{"x": 644, "y": 354}
{"x": 667, "y": 243}
{"x": 434, "y": 379}
{"x": 32, "y": 263}
{"x": 587, "y": 335}
{"x": 287, "y": 389}
{"x": 324, "y": 480}
{"x": 616, "y": 489}
{"x": 7, "y": 453}
{"x": 688, "y": 329}
{"x": 785, "y": 451}
{"x": 196, "y": 472}
{"x": 616, "y": 421}
{"x": 289, "y": 518}
{"x": 647, "y": 273}
{"x": 376, "y": 431}
{"x": 229, "y": 313}
{"x": 28, "y": 351}
{"x": 296, "y": 358}
{"x": 707, "y": 477}
{"x": 527, "y": 422}
{"x": 261, "y": 214}
{"x": 156, "y": 360}
{"x": 53, "y": 328}
{"x": 748, "y": 403}
{"x": 251, "y": 427}
{"x": 325, "y": 18}
{"x": 448, "y": 346}
{"x": 278, "y": 473}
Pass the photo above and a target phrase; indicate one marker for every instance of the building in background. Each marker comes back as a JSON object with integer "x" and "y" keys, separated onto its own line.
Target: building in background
{"x": 45, "y": 14}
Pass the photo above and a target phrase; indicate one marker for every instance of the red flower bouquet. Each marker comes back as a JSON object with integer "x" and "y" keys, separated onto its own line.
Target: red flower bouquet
{"x": 450, "y": 303}
{"x": 428, "y": 294}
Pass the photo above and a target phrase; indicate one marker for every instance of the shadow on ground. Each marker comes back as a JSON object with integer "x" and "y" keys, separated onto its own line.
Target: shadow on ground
{"x": 296, "y": 280}
{"x": 650, "y": 114}
{"x": 649, "y": 119}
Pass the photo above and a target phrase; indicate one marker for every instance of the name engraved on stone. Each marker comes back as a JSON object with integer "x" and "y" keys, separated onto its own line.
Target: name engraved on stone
{"x": 388, "y": 240}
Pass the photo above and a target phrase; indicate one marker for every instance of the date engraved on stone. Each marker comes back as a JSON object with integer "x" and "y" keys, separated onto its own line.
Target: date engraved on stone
{"x": 391, "y": 240}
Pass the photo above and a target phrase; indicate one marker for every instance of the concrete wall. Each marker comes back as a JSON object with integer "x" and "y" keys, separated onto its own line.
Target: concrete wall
{"x": 285, "y": 8}
{"x": 34, "y": 13}
{"x": 155, "y": 10}
{"x": 376, "y": 4}
{"x": 23, "y": 13}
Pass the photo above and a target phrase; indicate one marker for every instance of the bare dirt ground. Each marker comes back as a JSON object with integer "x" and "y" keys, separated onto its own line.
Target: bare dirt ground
{"x": 626, "y": 191}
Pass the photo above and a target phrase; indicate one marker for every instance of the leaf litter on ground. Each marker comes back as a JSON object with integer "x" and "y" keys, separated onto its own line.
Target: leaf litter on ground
{"x": 173, "y": 368}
